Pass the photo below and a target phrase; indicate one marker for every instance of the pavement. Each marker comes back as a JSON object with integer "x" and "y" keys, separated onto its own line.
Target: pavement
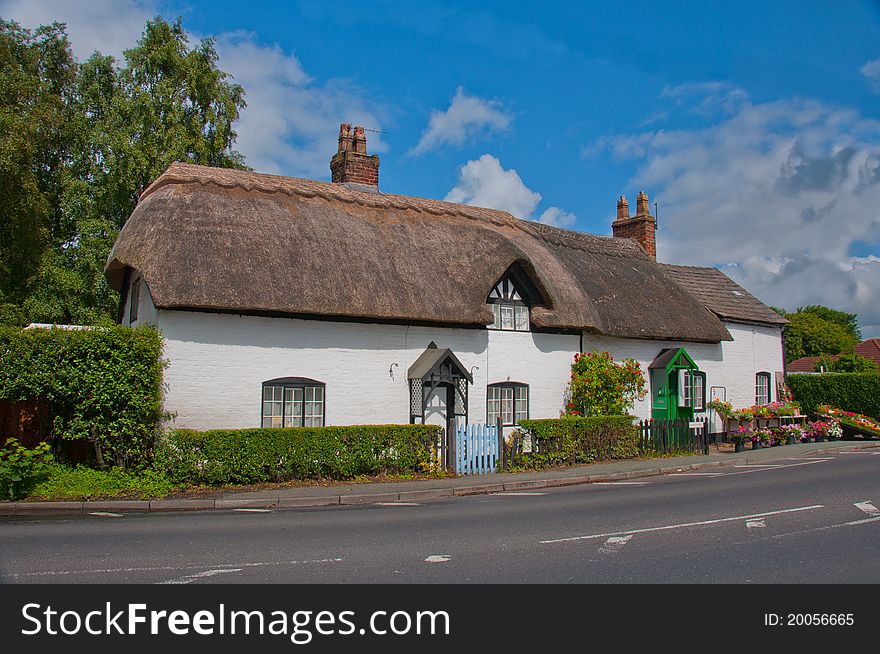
{"x": 423, "y": 489}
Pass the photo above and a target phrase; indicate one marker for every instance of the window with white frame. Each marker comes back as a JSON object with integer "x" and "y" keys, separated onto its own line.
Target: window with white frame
{"x": 762, "y": 388}
{"x": 508, "y": 402}
{"x": 293, "y": 402}
{"x": 510, "y": 311}
{"x": 699, "y": 391}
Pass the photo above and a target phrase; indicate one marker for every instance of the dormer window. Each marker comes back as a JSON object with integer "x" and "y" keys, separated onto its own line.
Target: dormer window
{"x": 511, "y": 312}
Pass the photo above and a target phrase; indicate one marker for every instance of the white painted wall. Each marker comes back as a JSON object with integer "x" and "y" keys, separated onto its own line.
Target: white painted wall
{"x": 218, "y": 363}
{"x": 730, "y": 364}
{"x": 147, "y": 314}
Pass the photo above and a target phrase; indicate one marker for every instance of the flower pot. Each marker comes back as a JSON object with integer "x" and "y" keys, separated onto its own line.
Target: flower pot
{"x": 739, "y": 447}
{"x": 791, "y": 440}
{"x": 820, "y": 439}
{"x": 756, "y": 445}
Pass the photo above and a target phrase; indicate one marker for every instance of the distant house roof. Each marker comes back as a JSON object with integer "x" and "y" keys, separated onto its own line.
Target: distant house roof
{"x": 870, "y": 349}
{"x": 804, "y": 364}
{"x": 223, "y": 240}
{"x": 724, "y": 297}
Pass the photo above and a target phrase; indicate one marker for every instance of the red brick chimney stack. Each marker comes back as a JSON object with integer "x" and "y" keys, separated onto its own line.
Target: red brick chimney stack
{"x": 640, "y": 227}
{"x": 351, "y": 164}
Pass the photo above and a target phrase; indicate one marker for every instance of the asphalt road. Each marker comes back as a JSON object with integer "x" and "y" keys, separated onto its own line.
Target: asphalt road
{"x": 798, "y": 520}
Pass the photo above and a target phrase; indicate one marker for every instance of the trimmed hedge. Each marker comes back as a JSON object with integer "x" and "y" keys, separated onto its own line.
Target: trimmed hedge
{"x": 247, "y": 456}
{"x": 100, "y": 385}
{"x": 856, "y": 392}
{"x": 574, "y": 439}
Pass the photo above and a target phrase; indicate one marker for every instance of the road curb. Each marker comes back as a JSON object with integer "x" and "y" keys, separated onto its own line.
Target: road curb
{"x": 226, "y": 504}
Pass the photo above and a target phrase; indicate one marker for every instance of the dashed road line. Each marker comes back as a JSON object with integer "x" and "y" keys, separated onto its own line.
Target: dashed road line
{"x": 520, "y": 494}
{"x": 254, "y": 510}
{"x": 614, "y": 544}
{"x": 683, "y": 525}
{"x": 188, "y": 579}
{"x": 397, "y": 504}
{"x": 438, "y": 558}
{"x": 106, "y": 514}
{"x": 755, "y": 524}
{"x": 868, "y": 508}
{"x": 621, "y": 483}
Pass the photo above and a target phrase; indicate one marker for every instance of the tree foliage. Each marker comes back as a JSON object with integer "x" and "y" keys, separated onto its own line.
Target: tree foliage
{"x": 79, "y": 143}
{"x": 849, "y": 362}
{"x": 809, "y": 334}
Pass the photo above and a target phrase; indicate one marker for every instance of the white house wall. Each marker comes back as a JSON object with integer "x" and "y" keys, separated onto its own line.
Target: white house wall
{"x": 218, "y": 363}
{"x": 731, "y": 365}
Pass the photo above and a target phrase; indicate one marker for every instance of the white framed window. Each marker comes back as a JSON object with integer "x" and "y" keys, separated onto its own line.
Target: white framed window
{"x": 293, "y": 402}
{"x": 685, "y": 388}
{"x": 762, "y": 388}
{"x": 508, "y": 308}
{"x": 699, "y": 391}
{"x": 508, "y": 402}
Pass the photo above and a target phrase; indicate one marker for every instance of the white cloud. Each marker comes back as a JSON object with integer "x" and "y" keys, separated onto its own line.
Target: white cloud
{"x": 291, "y": 123}
{"x": 466, "y": 117}
{"x": 871, "y": 71}
{"x": 484, "y": 182}
{"x": 775, "y": 193}
{"x": 110, "y": 26}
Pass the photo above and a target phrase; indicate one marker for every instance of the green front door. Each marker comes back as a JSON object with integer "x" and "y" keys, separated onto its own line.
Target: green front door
{"x": 671, "y": 377}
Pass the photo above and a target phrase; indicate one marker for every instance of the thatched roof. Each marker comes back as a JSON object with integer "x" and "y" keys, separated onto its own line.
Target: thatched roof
{"x": 724, "y": 297}
{"x": 215, "y": 239}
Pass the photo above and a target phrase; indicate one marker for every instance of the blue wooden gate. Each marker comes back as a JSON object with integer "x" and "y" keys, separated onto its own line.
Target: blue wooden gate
{"x": 476, "y": 449}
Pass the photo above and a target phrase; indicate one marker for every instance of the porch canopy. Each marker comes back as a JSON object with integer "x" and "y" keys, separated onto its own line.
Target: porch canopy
{"x": 433, "y": 368}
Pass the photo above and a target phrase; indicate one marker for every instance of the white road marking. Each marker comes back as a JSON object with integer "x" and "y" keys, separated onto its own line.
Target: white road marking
{"x": 859, "y": 452}
{"x": 851, "y": 523}
{"x": 682, "y": 525}
{"x": 166, "y": 568}
{"x": 188, "y": 579}
{"x": 760, "y": 465}
{"x": 868, "y": 508}
{"x": 755, "y": 524}
{"x": 520, "y": 494}
{"x": 698, "y": 474}
{"x": 614, "y": 544}
{"x": 438, "y": 558}
{"x": 397, "y": 504}
{"x": 621, "y": 483}
{"x": 254, "y": 510}
{"x": 106, "y": 514}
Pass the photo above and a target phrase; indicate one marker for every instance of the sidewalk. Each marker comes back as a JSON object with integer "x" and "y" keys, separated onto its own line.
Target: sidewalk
{"x": 423, "y": 489}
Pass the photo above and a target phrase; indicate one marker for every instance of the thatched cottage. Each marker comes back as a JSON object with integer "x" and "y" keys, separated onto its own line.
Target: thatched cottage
{"x": 288, "y": 301}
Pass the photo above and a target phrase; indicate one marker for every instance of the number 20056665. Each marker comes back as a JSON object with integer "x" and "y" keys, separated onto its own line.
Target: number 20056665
{"x": 809, "y": 619}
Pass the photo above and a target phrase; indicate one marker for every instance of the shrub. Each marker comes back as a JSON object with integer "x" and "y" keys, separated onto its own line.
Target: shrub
{"x": 101, "y": 385}
{"x": 857, "y": 392}
{"x": 245, "y": 456}
{"x": 83, "y": 483}
{"x": 601, "y": 387}
{"x": 21, "y": 468}
{"x": 578, "y": 439}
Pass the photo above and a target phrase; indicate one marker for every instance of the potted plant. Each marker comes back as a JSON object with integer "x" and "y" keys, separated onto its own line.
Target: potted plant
{"x": 739, "y": 438}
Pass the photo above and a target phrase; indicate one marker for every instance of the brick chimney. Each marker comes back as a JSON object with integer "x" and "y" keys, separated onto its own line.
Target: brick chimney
{"x": 351, "y": 164}
{"x": 640, "y": 227}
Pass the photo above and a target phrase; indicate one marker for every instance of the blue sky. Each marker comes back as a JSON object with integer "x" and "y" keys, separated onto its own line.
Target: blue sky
{"x": 754, "y": 125}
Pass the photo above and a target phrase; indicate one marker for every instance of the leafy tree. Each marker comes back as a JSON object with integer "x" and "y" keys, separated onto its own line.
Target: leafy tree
{"x": 849, "y": 321}
{"x": 601, "y": 387}
{"x": 849, "y": 362}
{"x": 808, "y": 334}
{"x": 79, "y": 143}
{"x": 36, "y": 75}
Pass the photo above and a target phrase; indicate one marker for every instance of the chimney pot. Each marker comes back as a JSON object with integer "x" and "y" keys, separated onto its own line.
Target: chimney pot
{"x": 351, "y": 164}
{"x": 642, "y": 204}
{"x": 622, "y": 208}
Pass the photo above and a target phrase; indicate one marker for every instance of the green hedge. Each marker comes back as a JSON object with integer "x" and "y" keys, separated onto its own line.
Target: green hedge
{"x": 101, "y": 385}
{"x": 246, "y": 456}
{"x": 574, "y": 439}
{"x": 856, "y": 392}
